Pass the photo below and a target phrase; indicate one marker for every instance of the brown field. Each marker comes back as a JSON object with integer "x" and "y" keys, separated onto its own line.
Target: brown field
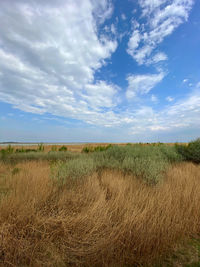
{"x": 73, "y": 147}
{"x": 103, "y": 220}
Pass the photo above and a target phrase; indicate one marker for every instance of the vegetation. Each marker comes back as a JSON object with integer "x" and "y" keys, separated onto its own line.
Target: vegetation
{"x": 102, "y": 220}
{"x": 96, "y": 148}
{"x": 62, "y": 148}
{"x": 191, "y": 152}
{"x": 130, "y": 205}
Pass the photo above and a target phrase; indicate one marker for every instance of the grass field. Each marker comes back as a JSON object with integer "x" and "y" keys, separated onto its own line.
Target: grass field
{"x": 123, "y": 206}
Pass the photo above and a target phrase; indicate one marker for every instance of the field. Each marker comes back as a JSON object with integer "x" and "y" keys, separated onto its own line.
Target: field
{"x": 127, "y": 205}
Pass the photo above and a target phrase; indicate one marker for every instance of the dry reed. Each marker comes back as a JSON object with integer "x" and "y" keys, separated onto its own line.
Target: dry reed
{"x": 107, "y": 219}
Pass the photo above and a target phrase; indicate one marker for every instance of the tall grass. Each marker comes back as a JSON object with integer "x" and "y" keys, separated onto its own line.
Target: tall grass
{"x": 106, "y": 219}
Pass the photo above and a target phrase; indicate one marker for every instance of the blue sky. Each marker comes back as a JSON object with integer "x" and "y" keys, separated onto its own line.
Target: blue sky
{"x": 99, "y": 71}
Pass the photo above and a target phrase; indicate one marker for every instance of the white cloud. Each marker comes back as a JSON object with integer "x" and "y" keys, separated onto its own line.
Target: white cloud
{"x": 157, "y": 58}
{"x": 142, "y": 83}
{"x": 162, "y": 18}
{"x": 158, "y": 128}
{"x": 49, "y": 53}
{"x": 169, "y": 99}
{"x": 185, "y": 80}
{"x": 154, "y": 98}
{"x": 51, "y": 50}
{"x": 101, "y": 94}
{"x": 179, "y": 116}
{"x": 123, "y": 16}
{"x": 113, "y": 29}
{"x": 134, "y": 41}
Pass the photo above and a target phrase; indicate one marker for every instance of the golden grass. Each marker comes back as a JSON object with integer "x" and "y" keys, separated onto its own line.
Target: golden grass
{"x": 73, "y": 147}
{"x": 104, "y": 220}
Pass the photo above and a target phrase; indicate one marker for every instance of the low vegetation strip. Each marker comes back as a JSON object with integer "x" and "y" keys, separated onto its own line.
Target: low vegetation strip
{"x": 147, "y": 162}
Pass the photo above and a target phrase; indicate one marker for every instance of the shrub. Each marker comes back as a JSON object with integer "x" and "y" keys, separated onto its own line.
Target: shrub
{"x": 73, "y": 169}
{"x": 147, "y": 162}
{"x": 3, "y": 154}
{"x": 40, "y": 147}
{"x": 102, "y": 148}
{"x": 190, "y": 152}
{"x": 146, "y": 168}
{"x": 10, "y": 149}
{"x": 96, "y": 149}
{"x": 20, "y": 150}
{"x": 62, "y": 148}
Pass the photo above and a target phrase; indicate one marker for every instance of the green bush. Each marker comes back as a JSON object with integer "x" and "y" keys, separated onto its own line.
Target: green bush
{"x": 191, "y": 152}
{"x": 147, "y": 162}
{"x": 149, "y": 170}
{"x": 62, "y": 148}
{"x": 4, "y": 153}
{"x": 27, "y": 150}
{"x": 10, "y": 149}
{"x": 86, "y": 150}
{"x": 20, "y": 150}
{"x": 73, "y": 169}
{"x": 40, "y": 147}
{"x": 96, "y": 149}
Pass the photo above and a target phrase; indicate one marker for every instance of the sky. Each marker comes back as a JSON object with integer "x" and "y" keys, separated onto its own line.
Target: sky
{"x": 99, "y": 71}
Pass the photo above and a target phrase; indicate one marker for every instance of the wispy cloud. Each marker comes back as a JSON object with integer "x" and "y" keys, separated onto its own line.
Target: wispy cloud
{"x": 162, "y": 18}
{"x": 169, "y": 98}
{"x": 142, "y": 83}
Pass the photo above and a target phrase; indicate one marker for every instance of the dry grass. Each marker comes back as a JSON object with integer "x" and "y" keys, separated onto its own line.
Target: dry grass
{"x": 103, "y": 220}
{"x": 73, "y": 147}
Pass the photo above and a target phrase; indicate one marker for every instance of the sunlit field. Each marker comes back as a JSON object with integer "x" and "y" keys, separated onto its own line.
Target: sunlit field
{"x": 108, "y": 205}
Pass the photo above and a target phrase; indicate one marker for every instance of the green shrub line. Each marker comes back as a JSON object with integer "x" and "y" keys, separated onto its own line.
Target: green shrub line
{"x": 10, "y": 154}
{"x": 95, "y": 149}
{"x": 148, "y": 162}
{"x": 145, "y": 162}
{"x": 190, "y": 152}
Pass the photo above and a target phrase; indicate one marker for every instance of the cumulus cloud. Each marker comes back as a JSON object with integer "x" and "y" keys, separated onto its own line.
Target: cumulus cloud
{"x": 169, "y": 98}
{"x": 162, "y": 18}
{"x": 101, "y": 94}
{"x": 142, "y": 83}
{"x": 51, "y": 50}
{"x": 49, "y": 53}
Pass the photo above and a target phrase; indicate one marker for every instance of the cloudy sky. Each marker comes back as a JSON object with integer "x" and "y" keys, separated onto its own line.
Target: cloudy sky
{"x": 94, "y": 71}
